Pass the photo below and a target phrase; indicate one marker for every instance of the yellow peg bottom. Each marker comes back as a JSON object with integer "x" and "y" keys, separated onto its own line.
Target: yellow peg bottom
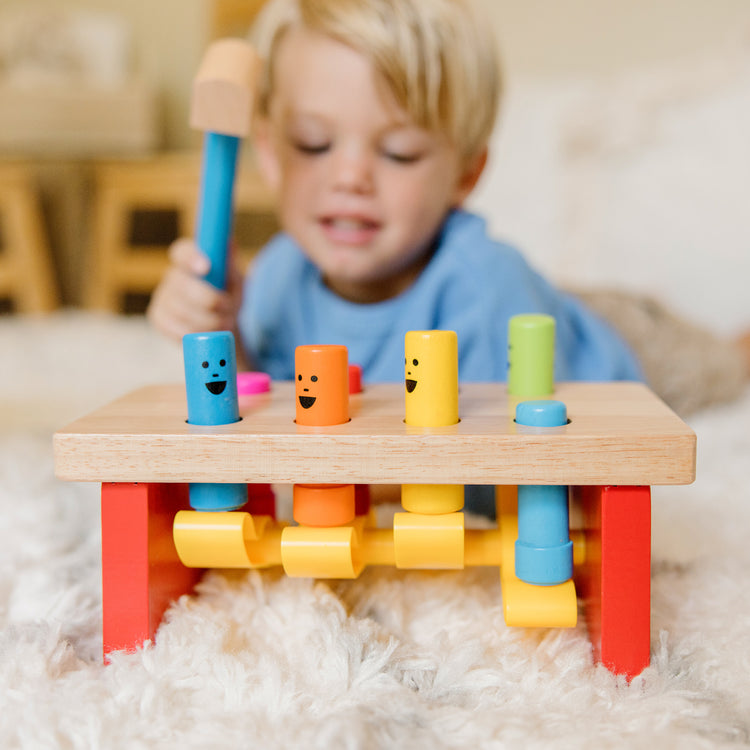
{"x": 432, "y": 499}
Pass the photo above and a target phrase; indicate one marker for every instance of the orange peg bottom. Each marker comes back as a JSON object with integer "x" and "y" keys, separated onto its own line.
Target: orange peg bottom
{"x": 324, "y": 504}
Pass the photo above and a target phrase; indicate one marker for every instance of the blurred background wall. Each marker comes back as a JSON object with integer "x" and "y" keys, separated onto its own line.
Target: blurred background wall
{"x": 563, "y": 37}
{"x": 577, "y": 182}
{"x": 539, "y": 37}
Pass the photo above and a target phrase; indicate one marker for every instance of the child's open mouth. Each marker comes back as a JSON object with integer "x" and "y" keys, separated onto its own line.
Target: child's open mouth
{"x": 349, "y": 230}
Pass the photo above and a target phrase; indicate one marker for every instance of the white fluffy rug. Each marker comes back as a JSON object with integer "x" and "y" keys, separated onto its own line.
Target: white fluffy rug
{"x": 393, "y": 659}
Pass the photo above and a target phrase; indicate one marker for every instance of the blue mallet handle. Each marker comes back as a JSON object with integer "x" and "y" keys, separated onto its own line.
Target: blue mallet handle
{"x": 214, "y": 230}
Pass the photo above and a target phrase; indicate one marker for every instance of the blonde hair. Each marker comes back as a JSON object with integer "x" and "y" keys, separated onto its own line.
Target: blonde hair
{"x": 436, "y": 57}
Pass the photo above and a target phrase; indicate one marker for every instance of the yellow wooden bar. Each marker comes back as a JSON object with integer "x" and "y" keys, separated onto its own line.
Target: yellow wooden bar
{"x": 320, "y": 552}
{"x": 434, "y": 542}
{"x": 218, "y": 540}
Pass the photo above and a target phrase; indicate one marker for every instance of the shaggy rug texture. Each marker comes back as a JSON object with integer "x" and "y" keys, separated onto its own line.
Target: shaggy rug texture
{"x": 393, "y": 659}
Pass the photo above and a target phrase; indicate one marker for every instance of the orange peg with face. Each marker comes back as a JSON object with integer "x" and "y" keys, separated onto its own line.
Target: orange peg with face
{"x": 322, "y": 385}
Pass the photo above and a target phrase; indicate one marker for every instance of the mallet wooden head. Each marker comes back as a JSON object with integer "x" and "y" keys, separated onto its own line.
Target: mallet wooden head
{"x": 223, "y": 89}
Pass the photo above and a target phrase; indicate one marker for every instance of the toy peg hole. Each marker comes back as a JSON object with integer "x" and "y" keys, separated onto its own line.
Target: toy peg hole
{"x": 521, "y": 424}
{"x": 441, "y": 425}
{"x": 239, "y": 419}
{"x": 324, "y": 425}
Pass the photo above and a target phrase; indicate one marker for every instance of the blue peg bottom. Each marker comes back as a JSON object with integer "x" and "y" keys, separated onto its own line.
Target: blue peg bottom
{"x": 544, "y": 552}
{"x": 544, "y": 566}
{"x": 210, "y": 496}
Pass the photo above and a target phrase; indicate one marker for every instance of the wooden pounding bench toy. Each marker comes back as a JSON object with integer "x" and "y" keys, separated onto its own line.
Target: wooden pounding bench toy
{"x": 617, "y": 440}
{"x": 186, "y": 470}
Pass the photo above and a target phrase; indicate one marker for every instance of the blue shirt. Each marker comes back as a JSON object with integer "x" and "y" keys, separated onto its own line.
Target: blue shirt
{"x": 472, "y": 285}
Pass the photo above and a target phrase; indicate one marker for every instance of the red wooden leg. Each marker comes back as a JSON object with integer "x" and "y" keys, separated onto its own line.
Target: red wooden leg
{"x": 261, "y": 500}
{"x": 362, "y": 499}
{"x": 141, "y": 573}
{"x": 616, "y": 577}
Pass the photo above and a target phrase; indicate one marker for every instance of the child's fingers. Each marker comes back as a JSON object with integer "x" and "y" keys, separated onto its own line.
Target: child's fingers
{"x": 184, "y": 304}
{"x": 177, "y": 322}
{"x": 186, "y": 255}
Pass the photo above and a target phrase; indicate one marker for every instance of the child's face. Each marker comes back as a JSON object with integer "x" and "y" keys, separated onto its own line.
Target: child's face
{"x": 361, "y": 189}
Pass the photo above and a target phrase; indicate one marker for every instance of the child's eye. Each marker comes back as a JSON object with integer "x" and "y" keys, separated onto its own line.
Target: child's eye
{"x": 402, "y": 157}
{"x": 312, "y": 149}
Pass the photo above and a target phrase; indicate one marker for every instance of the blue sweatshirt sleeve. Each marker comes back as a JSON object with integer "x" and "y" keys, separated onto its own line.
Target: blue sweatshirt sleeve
{"x": 485, "y": 283}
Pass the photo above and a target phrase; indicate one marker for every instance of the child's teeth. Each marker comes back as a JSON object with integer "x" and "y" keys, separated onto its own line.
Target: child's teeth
{"x": 348, "y": 223}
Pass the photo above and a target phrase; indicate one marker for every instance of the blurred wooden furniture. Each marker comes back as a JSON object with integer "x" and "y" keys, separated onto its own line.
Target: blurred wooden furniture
{"x": 79, "y": 120}
{"x": 27, "y": 277}
{"x": 58, "y": 131}
{"x": 120, "y": 264}
{"x": 233, "y": 17}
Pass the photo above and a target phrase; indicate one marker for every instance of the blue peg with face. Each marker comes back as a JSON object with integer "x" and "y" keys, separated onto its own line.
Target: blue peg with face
{"x": 211, "y": 385}
{"x": 211, "y": 378}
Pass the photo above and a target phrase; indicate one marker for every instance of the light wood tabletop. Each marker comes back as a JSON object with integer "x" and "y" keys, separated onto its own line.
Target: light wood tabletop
{"x": 618, "y": 433}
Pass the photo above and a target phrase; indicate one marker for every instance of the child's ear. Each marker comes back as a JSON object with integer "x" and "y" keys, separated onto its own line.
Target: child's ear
{"x": 265, "y": 151}
{"x": 470, "y": 176}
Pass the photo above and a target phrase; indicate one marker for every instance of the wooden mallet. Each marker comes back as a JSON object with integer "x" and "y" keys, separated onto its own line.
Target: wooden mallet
{"x": 221, "y": 106}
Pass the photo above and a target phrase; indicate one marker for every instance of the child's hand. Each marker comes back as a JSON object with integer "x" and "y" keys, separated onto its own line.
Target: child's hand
{"x": 185, "y": 303}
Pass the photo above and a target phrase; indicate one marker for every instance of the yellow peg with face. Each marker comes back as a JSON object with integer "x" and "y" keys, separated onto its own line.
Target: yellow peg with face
{"x": 431, "y": 378}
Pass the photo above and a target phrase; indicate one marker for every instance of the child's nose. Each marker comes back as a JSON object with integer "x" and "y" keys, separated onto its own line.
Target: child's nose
{"x": 353, "y": 172}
